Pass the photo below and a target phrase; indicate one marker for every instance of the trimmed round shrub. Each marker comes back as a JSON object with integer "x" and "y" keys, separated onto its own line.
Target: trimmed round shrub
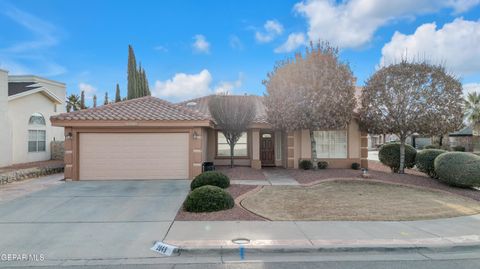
{"x": 459, "y": 169}
{"x": 210, "y": 178}
{"x": 425, "y": 161}
{"x": 389, "y": 155}
{"x": 305, "y": 164}
{"x": 322, "y": 165}
{"x": 458, "y": 148}
{"x": 355, "y": 166}
{"x": 208, "y": 199}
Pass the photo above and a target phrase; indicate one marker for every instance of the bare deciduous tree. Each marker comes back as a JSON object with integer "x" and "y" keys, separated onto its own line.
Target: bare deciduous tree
{"x": 232, "y": 115}
{"x": 314, "y": 91}
{"x": 410, "y": 97}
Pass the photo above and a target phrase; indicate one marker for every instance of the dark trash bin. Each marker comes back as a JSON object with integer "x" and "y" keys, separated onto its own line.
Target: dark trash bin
{"x": 208, "y": 166}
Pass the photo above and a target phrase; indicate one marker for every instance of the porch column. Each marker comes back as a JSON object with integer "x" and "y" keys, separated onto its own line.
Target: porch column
{"x": 256, "y": 163}
{"x": 290, "y": 150}
{"x": 364, "y": 150}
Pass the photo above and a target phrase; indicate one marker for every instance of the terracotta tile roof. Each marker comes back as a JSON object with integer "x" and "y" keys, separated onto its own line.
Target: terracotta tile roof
{"x": 145, "y": 108}
{"x": 200, "y": 105}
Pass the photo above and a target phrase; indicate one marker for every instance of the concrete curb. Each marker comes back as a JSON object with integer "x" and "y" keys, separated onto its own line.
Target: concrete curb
{"x": 327, "y": 249}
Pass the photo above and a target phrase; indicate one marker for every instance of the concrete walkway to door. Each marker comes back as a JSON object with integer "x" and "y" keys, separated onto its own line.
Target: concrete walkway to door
{"x": 91, "y": 219}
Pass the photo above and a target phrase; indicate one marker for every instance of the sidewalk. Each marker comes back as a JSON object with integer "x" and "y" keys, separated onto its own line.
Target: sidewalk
{"x": 315, "y": 235}
{"x": 18, "y": 189}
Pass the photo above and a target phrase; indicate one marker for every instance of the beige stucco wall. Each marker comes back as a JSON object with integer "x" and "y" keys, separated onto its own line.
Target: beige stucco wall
{"x": 302, "y": 147}
{"x": 354, "y": 140}
{"x": 15, "y": 111}
{"x": 19, "y": 111}
{"x": 5, "y": 127}
{"x": 211, "y": 147}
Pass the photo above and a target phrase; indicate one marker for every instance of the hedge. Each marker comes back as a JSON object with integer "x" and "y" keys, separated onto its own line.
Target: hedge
{"x": 389, "y": 155}
{"x": 424, "y": 161}
{"x": 213, "y": 178}
{"x": 208, "y": 199}
{"x": 459, "y": 169}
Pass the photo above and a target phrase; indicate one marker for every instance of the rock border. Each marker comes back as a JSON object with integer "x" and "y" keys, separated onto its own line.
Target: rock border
{"x": 27, "y": 173}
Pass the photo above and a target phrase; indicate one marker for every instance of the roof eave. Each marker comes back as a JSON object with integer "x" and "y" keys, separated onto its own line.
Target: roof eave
{"x": 131, "y": 123}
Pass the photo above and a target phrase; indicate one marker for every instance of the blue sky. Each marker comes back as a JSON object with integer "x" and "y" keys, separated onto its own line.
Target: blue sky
{"x": 192, "y": 48}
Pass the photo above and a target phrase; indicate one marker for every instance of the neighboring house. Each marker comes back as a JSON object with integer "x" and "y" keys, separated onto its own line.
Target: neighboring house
{"x": 26, "y": 105}
{"x": 149, "y": 138}
{"x": 416, "y": 141}
{"x": 464, "y": 138}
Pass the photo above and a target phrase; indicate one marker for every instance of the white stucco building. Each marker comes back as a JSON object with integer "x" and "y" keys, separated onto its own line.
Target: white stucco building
{"x": 26, "y": 104}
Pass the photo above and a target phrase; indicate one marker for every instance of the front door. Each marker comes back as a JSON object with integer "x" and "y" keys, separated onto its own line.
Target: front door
{"x": 267, "y": 153}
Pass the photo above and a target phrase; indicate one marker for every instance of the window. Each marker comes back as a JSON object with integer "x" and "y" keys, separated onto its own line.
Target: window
{"x": 223, "y": 149}
{"x": 331, "y": 144}
{"x": 36, "y": 119}
{"x": 36, "y": 140}
{"x": 36, "y": 133}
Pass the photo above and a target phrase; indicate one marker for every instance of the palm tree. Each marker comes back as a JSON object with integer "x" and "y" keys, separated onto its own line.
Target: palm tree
{"x": 472, "y": 107}
{"x": 73, "y": 102}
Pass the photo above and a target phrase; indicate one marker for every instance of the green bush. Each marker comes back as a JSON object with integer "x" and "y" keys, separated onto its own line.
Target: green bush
{"x": 425, "y": 161}
{"x": 458, "y": 148}
{"x": 210, "y": 178}
{"x": 305, "y": 164}
{"x": 208, "y": 199}
{"x": 389, "y": 155}
{"x": 458, "y": 169}
{"x": 355, "y": 166}
{"x": 322, "y": 165}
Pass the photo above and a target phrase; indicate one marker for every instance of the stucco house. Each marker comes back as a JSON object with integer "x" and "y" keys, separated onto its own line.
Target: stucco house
{"x": 149, "y": 138}
{"x": 26, "y": 105}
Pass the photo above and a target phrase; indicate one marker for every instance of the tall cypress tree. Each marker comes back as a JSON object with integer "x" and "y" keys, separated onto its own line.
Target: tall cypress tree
{"x": 82, "y": 100}
{"x": 94, "y": 100}
{"x": 118, "y": 98}
{"x": 132, "y": 74}
{"x": 105, "y": 100}
{"x": 137, "y": 78}
{"x": 146, "y": 90}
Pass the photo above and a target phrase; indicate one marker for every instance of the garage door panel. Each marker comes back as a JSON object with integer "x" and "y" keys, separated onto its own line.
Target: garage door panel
{"x": 133, "y": 156}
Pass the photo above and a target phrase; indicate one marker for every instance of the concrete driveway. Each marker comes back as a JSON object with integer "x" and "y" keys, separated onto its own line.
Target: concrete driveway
{"x": 91, "y": 219}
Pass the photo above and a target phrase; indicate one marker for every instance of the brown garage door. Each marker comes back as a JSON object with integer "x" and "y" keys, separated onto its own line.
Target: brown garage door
{"x": 116, "y": 156}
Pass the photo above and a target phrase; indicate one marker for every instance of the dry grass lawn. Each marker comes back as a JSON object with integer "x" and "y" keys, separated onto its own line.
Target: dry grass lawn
{"x": 356, "y": 200}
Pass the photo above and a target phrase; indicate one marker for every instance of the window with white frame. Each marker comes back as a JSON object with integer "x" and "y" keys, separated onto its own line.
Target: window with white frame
{"x": 240, "y": 149}
{"x": 331, "y": 144}
{"x": 36, "y": 134}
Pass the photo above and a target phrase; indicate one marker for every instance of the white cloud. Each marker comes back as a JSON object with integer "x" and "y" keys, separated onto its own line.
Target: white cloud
{"x": 161, "y": 48}
{"x": 31, "y": 56}
{"x": 201, "y": 44}
{"x": 88, "y": 89}
{"x": 294, "y": 41}
{"x": 235, "y": 42}
{"x": 471, "y": 87}
{"x": 227, "y": 87}
{"x": 353, "y": 23}
{"x": 460, "y": 6}
{"x": 185, "y": 86}
{"x": 272, "y": 29}
{"x": 456, "y": 45}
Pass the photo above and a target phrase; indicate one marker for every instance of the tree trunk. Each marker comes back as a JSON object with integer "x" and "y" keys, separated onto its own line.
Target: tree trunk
{"x": 313, "y": 145}
{"x": 440, "y": 140}
{"x": 231, "y": 155}
{"x": 401, "y": 169}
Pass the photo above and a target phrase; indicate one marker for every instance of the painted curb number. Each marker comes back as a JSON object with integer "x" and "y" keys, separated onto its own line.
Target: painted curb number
{"x": 163, "y": 248}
